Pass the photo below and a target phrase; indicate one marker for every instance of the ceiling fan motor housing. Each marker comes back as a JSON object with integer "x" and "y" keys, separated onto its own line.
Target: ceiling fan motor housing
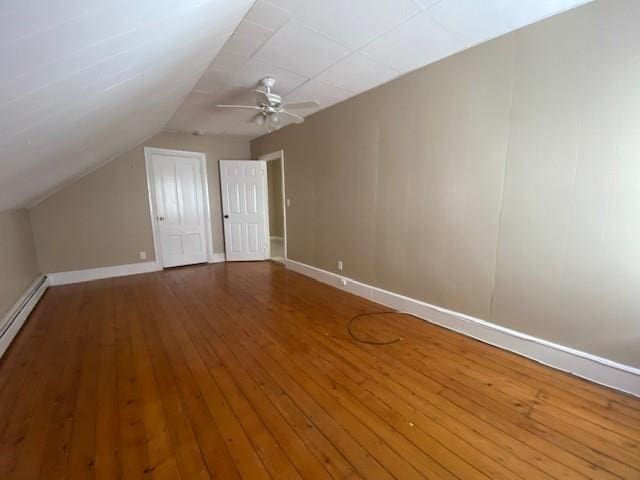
{"x": 274, "y": 99}
{"x": 269, "y": 105}
{"x": 267, "y": 82}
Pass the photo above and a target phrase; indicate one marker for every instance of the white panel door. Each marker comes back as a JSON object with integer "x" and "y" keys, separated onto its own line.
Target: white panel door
{"x": 243, "y": 186}
{"x": 180, "y": 212}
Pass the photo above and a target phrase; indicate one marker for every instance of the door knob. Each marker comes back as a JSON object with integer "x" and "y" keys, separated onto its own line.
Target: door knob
{"x": 161, "y": 219}
{"x": 226, "y": 216}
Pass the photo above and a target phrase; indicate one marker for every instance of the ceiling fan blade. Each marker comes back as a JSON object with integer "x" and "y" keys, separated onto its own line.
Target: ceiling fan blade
{"x": 293, "y": 116}
{"x": 311, "y": 104}
{"x": 251, "y": 107}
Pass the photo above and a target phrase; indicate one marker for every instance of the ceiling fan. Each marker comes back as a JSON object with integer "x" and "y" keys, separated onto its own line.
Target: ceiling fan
{"x": 270, "y": 107}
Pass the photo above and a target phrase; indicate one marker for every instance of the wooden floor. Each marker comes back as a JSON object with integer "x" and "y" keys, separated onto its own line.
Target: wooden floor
{"x": 246, "y": 371}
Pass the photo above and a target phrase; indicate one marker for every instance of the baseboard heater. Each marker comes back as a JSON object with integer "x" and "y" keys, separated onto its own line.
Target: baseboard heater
{"x": 12, "y": 323}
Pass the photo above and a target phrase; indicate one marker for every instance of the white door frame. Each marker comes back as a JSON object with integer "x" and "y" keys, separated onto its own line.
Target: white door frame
{"x": 277, "y": 155}
{"x": 148, "y": 164}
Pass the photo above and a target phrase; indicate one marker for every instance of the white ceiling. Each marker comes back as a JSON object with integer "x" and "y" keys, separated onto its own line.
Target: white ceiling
{"x": 330, "y": 50}
{"x": 83, "y": 81}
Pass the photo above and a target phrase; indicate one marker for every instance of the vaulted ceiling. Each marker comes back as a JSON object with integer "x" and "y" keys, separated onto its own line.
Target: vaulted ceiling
{"x": 330, "y": 50}
{"x": 83, "y": 81}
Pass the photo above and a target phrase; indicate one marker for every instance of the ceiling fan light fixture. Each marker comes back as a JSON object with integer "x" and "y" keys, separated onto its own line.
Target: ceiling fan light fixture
{"x": 270, "y": 107}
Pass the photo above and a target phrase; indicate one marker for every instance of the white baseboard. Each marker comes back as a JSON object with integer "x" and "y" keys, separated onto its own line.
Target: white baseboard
{"x": 600, "y": 370}
{"x": 18, "y": 314}
{"x": 218, "y": 257}
{"x": 76, "y": 276}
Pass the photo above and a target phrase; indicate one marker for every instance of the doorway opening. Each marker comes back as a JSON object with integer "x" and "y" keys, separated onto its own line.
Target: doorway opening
{"x": 276, "y": 205}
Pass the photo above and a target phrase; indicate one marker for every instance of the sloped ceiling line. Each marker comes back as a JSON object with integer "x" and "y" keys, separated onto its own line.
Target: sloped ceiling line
{"x": 82, "y": 89}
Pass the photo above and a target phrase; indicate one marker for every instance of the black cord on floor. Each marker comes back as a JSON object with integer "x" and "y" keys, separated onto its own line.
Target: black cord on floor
{"x": 372, "y": 342}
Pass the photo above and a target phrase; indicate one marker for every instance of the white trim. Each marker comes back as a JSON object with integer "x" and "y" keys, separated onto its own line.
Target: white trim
{"x": 268, "y": 157}
{"x": 157, "y": 246}
{"x": 218, "y": 258}
{"x": 265, "y": 203}
{"x": 279, "y": 155}
{"x": 267, "y": 211}
{"x": 152, "y": 209}
{"x": 20, "y": 311}
{"x": 599, "y": 370}
{"x": 76, "y": 276}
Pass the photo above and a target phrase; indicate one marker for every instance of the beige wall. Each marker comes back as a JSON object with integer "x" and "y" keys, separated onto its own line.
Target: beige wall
{"x": 502, "y": 182}
{"x": 18, "y": 264}
{"x": 276, "y": 215}
{"x": 103, "y": 219}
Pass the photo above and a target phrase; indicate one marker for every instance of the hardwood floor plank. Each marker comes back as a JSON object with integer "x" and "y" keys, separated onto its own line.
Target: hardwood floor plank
{"x": 246, "y": 459}
{"x": 355, "y": 405}
{"x": 189, "y": 455}
{"x": 82, "y": 439}
{"x": 54, "y": 464}
{"x": 317, "y": 444}
{"x": 246, "y": 371}
{"x": 39, "y": 403}
{"x": 494, "y": 387}
{"x": 213, "y": 445}
{"x": 269, "y": 450}
{"x": 160, "y": 449}
{"x": 490, "y": 387}
{"x": 547, "y": 393}
{"x": 588, "y": 467}
{"x": 287, "y": 440}
{"x": 394, "y": 387}
{"x": 426, "y": 429}
{"x": 108, "y": 456}
{"x": 17, "y": 361}
{"x": 135, "y": 462}
{"x": 352, "y": 449}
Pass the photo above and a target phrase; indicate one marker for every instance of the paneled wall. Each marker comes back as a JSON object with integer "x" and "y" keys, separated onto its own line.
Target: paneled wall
{"x": 502, "y": 182}
{"x": 103, "y": 219}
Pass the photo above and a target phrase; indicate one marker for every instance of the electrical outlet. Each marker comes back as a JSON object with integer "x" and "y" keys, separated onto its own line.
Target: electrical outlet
{"x": 288, "y": 202}
{"x": 340, "y": 265}
{"x": 143, "y": 255}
